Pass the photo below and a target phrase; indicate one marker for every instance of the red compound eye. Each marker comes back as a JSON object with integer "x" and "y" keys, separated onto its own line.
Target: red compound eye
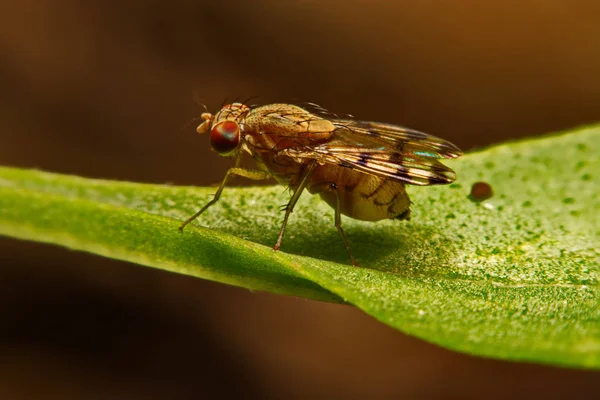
{"x": 225, "y": 137}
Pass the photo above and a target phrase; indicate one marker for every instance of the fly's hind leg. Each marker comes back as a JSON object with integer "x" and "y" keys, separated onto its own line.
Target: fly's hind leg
{"x": 332, "y": 187}
{"x": 338, "y": 224}
{"x": 246, "y": 173}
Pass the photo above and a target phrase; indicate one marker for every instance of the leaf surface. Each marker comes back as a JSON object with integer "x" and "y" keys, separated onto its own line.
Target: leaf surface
{"x": 512, "y": 277}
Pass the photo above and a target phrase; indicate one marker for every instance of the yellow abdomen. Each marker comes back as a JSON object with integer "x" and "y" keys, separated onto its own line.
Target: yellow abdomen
{"x": 362, "y": 196}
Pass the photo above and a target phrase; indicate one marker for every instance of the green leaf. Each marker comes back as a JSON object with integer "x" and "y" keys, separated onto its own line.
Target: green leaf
{"x": 512, "y": 277}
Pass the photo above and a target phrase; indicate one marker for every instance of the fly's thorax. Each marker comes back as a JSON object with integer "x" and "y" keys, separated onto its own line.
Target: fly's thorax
{"x": 280, "y": 126}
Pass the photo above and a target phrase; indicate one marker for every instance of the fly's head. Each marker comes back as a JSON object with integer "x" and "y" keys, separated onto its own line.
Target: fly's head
{"x": 225, "y": 128}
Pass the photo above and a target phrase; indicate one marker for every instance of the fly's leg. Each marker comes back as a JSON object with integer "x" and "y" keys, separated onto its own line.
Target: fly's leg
{"x": 332, "y": 187}
{"x": 246, "y": 173}
{"x": 290, "y": 205}
{"x": 338, "y": 224}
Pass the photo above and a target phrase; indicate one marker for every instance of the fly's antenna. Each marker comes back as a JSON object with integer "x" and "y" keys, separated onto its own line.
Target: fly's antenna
{"x": 191, "y": 121}
{"x": 202, "y": 117}
{"x": 206, "y": 125}
{"x": 199, "y": 101}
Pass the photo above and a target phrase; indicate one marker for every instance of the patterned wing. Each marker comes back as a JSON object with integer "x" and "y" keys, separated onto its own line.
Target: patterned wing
{"x": 403, "y": 140}
{"x": 384, "y": 150}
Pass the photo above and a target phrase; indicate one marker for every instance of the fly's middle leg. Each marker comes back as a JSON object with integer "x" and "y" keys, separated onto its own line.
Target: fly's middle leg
{"x": 295, "y": 196}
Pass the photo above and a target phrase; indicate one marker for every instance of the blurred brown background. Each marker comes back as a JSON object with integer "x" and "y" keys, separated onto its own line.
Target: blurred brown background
{"x": 102, "y": 89}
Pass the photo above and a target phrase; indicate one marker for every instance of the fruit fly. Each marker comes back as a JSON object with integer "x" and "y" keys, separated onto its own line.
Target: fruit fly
{"x": 359, "y": 168}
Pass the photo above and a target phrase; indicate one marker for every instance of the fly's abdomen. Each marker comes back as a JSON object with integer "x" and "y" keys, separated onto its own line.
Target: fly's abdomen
{"x": 362, "y": 196}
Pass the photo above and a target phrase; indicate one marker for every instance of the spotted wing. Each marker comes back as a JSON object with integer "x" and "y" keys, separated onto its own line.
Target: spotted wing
{"x": 404, "y": 140}
{"x": 385, "y": 150}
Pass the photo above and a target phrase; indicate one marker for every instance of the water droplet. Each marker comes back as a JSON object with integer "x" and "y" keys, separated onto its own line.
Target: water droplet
{"x": 481, "y": 191}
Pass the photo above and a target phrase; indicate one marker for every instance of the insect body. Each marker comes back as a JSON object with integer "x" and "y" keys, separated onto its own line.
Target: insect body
{"x": 359, "y": 168}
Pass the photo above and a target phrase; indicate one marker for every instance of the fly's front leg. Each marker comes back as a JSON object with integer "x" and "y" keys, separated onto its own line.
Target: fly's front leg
{"x": 246, "y": 173}
{"x": 295, "y": 196}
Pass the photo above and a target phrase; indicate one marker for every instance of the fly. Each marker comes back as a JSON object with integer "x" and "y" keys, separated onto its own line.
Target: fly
{"x": 359, "y": 168}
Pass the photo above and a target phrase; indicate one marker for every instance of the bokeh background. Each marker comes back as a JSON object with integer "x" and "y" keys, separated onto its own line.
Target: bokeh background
{"x": 103, "y": 89}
